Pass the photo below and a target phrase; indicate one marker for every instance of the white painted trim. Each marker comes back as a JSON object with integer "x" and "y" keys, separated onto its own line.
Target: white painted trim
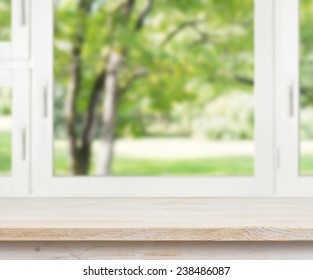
{"x": 6, "y": 78}
{"x": 5, "y": 50}
{"x": 44, "y": 184}
{"x": 289, "y": 180}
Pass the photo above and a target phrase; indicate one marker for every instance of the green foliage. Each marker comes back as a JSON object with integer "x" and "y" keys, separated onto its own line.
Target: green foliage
{"x": 5, "y": 20}
{"x": 198, "y": 63}
{"x": 306, "y": 53}
{"x": 227, "y": 118}
{"x": 306, "y": 69}
{"x": 307, "y": 123}
{"x": 5, "y": 102}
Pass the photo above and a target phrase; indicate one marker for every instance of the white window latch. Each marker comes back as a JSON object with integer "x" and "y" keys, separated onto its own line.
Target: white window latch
{"x": 290, "y": 99}
{"x": 23, "y": 137}
{"x": 44, "y": 96}
{"x": 22, "y": 13}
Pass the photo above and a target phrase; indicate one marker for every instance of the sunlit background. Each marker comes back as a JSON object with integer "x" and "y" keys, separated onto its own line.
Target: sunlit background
{"x": 154, "y": 87}
{"x": 5, "y": 97}
{"x": 5, "y": 131}
{"x": 5, "y": 20}
{"x": 306, "y": 78}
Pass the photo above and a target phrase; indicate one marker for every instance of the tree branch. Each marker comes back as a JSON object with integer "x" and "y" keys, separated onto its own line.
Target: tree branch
{"x": 307, "y": 95}
{"x": 140, "y": 73}
{"x": 245, "y": 80}
{"x": 204, "y": 37}
{"x": 98, "y": 87}
{"x": 85, "y": 5}
{"x": 143, "y": 15}
{"x": 89, "y": 120}
{"x": 127, "y": 8}
{"x": 180, "y": 28}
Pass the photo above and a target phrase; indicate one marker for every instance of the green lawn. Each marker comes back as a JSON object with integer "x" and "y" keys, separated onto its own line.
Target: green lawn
{"x": 307, "y": 165}
{"x": 236, "y": 166}
{"x": 122, "y": 166}
{"x": 5, "y": 153}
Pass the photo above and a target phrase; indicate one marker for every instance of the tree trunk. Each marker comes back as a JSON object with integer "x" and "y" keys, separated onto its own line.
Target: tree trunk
{"x": 109, "y": 114}
{"x": 70, "y": 106}
{"x": 78, "y": 155}
{"x": 81, "y": 161}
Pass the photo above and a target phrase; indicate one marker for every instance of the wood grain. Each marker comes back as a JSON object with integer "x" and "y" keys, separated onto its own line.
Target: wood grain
{"x": 156, "y": 250}
{"x": 210, "y": 219}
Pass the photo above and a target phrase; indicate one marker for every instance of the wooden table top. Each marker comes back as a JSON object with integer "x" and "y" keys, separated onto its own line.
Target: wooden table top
{"x": 156, "y": 219}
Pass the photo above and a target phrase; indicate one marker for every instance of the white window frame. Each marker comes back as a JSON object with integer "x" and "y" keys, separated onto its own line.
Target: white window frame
{"x": 289, "y": 179}
{"x": 18, "y": 47}
{"x": 17, "y": 183}
{"x": 45, "y": 184}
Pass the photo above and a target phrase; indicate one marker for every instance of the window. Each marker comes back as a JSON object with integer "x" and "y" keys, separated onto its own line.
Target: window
{"x": 148, "y": 62}
{"x": 14, "y": 29}
{"x": 294, "y": 176}
{"x": 151, "y": 98}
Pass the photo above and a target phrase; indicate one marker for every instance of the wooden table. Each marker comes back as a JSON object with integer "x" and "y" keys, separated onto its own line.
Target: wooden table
{"x": 204, "y": 228}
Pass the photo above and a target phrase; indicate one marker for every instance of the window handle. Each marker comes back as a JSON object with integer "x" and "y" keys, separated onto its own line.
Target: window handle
{"x": 290, "y": 99}
{"x": 22, "y": 13}
{"x": 23, "y": 137}
{"x": 44, "y": 94}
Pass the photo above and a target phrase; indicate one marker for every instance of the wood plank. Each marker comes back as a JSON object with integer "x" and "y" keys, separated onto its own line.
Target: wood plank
{"x": 156, "y": 250}
{"x": 145, "y": 219}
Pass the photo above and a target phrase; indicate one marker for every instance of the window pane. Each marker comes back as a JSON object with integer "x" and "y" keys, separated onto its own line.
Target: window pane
{"x": 5, "y": 131}
{"x": 306, "y": 81}
{"x": 5, "y": 20}
{"x": 162, "y": 88}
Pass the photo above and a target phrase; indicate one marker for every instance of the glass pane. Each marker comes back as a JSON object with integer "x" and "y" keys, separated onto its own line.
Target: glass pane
{"x": 154, "y": 88}
{"x": 306, "y": 81}
{"x": 5, "y": 131}
{"x": 5, "y": 20}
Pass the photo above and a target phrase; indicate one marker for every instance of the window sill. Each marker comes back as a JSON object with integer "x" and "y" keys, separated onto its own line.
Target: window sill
{"x": 210, "y": 219}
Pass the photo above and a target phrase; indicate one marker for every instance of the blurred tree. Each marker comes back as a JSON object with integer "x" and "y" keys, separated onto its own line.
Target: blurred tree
{"x": 5, "y": 20}
{"x": 114, "y": 56}
{"x": 306, "y": 53}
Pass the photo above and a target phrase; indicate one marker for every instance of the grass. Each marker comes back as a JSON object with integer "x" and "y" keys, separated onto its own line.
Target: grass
{"x": 123, "y": 166}
{"x": 5, "y": 153}
{"x": 235, "y": 166}
{"x": 307, "y": 165}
